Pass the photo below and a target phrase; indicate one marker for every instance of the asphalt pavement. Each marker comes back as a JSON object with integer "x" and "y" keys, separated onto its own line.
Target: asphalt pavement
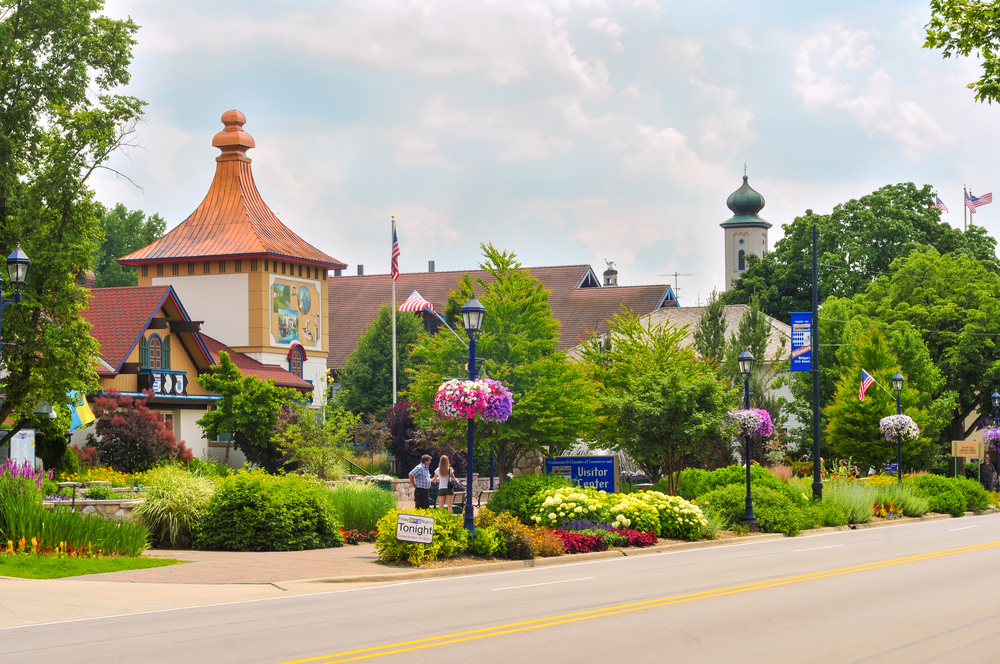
{"x": 915, "y": 592}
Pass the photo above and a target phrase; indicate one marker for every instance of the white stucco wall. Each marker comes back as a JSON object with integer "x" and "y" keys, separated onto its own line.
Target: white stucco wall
{"x": 221, "y": 300}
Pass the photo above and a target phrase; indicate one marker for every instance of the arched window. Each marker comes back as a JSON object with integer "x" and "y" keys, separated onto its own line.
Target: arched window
{"x": 295, "y": 363}
{"x": 155, "y": 352}
{"x": 741, "y": 261}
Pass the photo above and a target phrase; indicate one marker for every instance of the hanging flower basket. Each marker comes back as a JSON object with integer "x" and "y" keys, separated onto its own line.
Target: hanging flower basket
{"x": 992, "y": 437}
{"x": 751, "y": 422}
{"x": 899, "y": 425}
{"x": 464, "y": 399}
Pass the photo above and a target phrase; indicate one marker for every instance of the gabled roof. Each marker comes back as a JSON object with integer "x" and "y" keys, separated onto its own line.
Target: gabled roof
{"x": 119, "y": 317}
{"x": 233, "y": 220}
{"x": 355, "y": 301}
{"x": 251, "y": 367}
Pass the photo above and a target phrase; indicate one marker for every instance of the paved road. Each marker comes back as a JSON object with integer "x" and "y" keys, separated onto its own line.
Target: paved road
{"x": 915, "y": 593}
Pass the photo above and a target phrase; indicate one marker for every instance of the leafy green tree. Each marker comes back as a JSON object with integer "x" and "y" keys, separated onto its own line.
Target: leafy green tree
{"x": 857, "y": 243}
{"x": 710, "y": 333}
{"x": 553, "y": 400}
{"x": 661, "y": 404}
{"x": 125, "y": 231}
{"x": 961, "y": 27}
{"x": 59, "y": 121}
{"x": 248, "y": 412}
{"x": 853, "y": 425}
{"x": 366, "y": 379}
{"x": 313, "y": 444}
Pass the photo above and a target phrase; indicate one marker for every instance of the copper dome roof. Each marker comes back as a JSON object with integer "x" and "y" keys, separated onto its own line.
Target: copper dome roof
{"x": 233, "y": 220}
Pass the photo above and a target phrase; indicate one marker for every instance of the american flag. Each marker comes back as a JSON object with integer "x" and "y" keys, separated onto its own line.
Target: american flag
{"x": 972, "y": 202}
{"x": 940, "y": 204}
{"x": 415, "y": 303}
{"x": 866, "y": 382}
{"x": 395, "y": 255}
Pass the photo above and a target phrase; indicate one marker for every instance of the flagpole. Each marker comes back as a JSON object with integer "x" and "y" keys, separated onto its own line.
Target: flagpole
{"x": 965, "y": 226}
{"x": 393, "y": 239}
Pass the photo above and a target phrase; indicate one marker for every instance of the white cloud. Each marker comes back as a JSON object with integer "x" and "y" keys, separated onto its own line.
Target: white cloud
{"x": 609, "y": 27}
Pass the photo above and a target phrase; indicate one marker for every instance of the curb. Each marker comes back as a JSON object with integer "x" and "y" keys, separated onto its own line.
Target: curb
{"x": 509, "y": 565}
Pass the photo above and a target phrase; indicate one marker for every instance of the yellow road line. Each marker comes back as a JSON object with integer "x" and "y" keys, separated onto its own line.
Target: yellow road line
{"x": 511, "y": 628}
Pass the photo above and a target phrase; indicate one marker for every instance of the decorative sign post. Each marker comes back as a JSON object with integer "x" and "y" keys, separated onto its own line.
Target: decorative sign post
{"x": 597, "y": 472}
{"x": 802, "y": 336}
{"x": 22, "y": 447}
{"x": 413, "y": 528}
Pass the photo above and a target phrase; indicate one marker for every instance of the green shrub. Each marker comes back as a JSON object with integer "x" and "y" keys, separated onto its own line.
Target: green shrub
{"x": 687, "y": 483}
{"x": 856, "y": 501}
{"x": 942, "y": 493}
{"x": 701, "y": 483}
{"x": 902, "y": 497}
{"x": 486, "y": 542}
{"x": 49, "y": 487}
{"x": 361, "y": 504}
{"x": 254, "y": 511}
{"x": 450, "y": 538}
{"x": 976, "y": 497}
{"x": 516, "y": 537}
{"x": 634, "y": 512}
{"x": 172, "y": 504}
{"x": 100, "y": 492}
{"x": 209, "y": 468}
{"x": 775, "y": 511}
{"x": 70, "y": 462}
{"x": 678, "y": 519}
{"x": 544, "y": 543}
{"x": 520, "y": 496}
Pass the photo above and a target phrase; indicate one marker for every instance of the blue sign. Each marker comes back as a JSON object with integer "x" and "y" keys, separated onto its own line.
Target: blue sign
{"x": 597, "y": 472}
{"x": 802, "y": 338}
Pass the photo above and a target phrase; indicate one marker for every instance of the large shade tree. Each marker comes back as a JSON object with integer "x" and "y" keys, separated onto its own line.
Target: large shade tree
{"x": 60, "y": 63}
{"x": 964, "y": 28}
{"x": 124, "y": 231}
{"x": 660, "y": 403}
{"x": 554, "y": 402}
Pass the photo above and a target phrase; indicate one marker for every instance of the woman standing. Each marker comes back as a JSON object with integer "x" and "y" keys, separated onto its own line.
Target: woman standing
{"x": 443, "y": 476}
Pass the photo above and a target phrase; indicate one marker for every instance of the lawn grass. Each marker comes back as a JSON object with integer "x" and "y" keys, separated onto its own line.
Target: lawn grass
{"x": 50, "y": 567}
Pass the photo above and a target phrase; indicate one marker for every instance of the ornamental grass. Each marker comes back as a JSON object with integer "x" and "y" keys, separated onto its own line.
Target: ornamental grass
{"x": 361, "y": 504}
{"x": 172, "y": 504}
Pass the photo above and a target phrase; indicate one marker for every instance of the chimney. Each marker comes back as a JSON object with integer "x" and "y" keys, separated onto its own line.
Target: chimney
{"x": 336, "y": 273}
{"x": 430, "y": 266}
{"x": 361, "y": 269}
{"x": 611, "y": 274}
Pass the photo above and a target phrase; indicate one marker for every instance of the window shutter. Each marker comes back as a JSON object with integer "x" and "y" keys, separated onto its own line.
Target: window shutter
{"x": 166, "y": 353}
{"x": 143, "y": 353}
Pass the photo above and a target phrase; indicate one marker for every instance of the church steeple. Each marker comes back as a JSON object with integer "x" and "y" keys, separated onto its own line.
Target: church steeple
{"x": 745, "y": 232}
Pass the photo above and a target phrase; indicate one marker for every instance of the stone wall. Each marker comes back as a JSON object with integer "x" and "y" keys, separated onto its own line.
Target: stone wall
{"x": 404, "y": 492}
{"x": 109, "y": 509}
{"x": 530, "y": 463}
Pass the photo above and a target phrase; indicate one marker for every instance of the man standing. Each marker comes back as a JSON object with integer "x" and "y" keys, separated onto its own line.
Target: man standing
{"x": 420, "y": 480}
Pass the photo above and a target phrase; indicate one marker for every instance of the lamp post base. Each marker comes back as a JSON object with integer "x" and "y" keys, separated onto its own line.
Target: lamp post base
{"x": 750, "y": 521}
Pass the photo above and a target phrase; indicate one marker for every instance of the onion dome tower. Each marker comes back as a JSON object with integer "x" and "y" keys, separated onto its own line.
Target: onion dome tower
{"x": 745, "y": 232}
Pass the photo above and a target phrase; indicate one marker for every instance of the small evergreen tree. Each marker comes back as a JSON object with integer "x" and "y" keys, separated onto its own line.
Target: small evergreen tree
{"x": 366, "y": 379}
{"x": 710, "y": 333}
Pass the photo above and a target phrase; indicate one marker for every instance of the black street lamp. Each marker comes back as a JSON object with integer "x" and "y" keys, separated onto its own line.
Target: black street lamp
{"x": 473, "y": 313}
{"x": 897, "y": 384}
{"x": 996, "y": 406}
{"x": 745, "y": 361}
{"x": 17, "y": 273}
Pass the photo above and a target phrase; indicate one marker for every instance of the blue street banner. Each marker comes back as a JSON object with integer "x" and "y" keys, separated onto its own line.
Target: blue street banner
{"x": 597, "y": 472}
{"x": 802, "y": 337}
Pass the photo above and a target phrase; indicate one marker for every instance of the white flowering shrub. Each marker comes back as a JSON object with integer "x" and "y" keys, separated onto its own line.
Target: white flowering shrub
{"x": 629, "y": 511}
{"x": 678, "y": 519}
{"x": 569, "y": 504}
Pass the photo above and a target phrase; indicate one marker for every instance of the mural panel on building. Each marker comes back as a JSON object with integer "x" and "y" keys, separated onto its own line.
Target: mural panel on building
{"x": 296, "y": 312}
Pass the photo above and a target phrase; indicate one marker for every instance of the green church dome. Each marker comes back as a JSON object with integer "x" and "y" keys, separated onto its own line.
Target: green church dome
{"x": 745, "y": 203}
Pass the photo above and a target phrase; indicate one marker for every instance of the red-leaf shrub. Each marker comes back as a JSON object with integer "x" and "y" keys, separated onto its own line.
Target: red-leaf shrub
{"x": 635, "y": 538}
{"x": 130, "y": 437}
{"x": 575, "y": 543}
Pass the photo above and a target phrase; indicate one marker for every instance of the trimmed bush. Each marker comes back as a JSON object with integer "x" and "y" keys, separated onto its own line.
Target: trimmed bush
{"x": 70, "y": 462}
{"x": 361, "y": 504}
{"x": 976, "y": 497}
{"x": 517, "y": 537}
{"x": 775, "y": 511}
{"x": 486, "y": 542}
{"x": 100, "y": 492}
{"x": 633, "y": 511}
{"x": 687, "y": 483}
{"x": 520, "y": 496}
{"x": 172, "y": 504}
{"x": 942, "y": 493}
{"x": 254, "y": 511}
{"x": 700, "y": 483}
{"x": 450, "y": 538}
{"x": 678, "y": 519}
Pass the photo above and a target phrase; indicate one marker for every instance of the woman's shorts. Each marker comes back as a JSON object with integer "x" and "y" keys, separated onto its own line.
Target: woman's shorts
{"x": 446, "y": 492}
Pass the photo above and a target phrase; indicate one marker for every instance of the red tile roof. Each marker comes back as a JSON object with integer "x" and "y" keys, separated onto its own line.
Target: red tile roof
{"x": 233, "y": 220}
{"x": 251, "y": 367}
{"x": 119, "y": 316}
{"x": 355, "y": 301}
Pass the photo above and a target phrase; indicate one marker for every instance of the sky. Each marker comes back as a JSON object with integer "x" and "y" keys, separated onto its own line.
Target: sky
{"x": 565, "y": 131}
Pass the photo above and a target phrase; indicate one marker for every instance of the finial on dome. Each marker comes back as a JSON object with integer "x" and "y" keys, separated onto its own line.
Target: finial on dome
{"x": 233, "y": 141}
{"x": 745, "y": 201}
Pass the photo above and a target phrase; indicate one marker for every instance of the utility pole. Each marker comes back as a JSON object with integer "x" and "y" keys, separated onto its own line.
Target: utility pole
{"x": 817, "y": 467}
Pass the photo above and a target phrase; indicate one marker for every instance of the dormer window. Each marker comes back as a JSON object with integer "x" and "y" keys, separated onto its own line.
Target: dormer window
{"x": 155, "y": 352}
